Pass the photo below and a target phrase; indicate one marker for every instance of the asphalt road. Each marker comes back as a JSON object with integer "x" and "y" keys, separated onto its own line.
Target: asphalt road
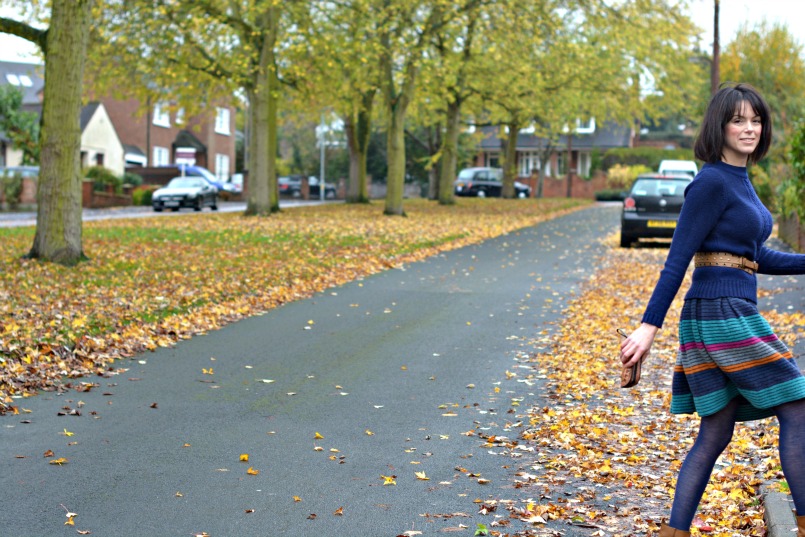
{"x": 391, "y": 371}
{"x": 28, "y": 218}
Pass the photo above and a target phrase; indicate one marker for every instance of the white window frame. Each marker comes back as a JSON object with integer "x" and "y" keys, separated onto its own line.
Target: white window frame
{"x": 222, "y": 121}
{"x": 162, "y": 116}
{"x": 529, "y": 160}
{"x": 583, "y": 165}
{"x": 221, "y": 166}
{"x": 160, "y": 156}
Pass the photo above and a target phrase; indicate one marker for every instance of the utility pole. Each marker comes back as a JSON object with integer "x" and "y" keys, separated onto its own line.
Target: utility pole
{"x": 715, "y": 66}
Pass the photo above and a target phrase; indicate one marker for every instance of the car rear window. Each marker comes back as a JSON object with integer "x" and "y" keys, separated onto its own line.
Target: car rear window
{"x": 659, "y": 187}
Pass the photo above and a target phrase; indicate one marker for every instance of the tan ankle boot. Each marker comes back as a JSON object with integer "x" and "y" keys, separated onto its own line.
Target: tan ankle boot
{"x": 801, "y": 526}
{"x": 668, "y": 531}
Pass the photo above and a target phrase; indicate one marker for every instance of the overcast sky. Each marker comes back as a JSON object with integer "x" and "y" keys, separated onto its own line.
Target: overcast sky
{"x": 733, "y": 14}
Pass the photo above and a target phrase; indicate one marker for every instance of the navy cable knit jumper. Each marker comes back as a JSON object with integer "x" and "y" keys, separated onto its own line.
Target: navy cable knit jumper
{"x": 721, "y": 213}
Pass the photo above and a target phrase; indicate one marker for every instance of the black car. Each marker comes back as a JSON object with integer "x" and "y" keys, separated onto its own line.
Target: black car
{"x": 652, "y": 207}
{"x": 486, "y": 183}
{"x": 188, "y": 191}
{"x": 292, "y": 186}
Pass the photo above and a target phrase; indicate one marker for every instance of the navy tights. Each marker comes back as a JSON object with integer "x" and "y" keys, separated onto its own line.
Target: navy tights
{"x": 715, "y": 433}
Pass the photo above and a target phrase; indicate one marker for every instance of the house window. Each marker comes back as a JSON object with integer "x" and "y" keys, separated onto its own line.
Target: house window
{"x": 180, "y": 117}
{"x": 161, "y": 116}
{"x": 585, "y": 127}
{"x": 13, "y": 79}
{"x": 222, "y": 121}
{"x": 161, "y": 156}
{"x": 584, "y": 164}
{"x": 221, "y": 167}
{"x": 26, "y": 81}
{"x": 529, "y": 161}
{"x": 561, "y": 164}
{"x": 493, "y": 160}
{"x": 99, "y": 159}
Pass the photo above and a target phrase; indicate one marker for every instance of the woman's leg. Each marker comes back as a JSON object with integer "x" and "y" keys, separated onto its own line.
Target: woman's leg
{"x": 715, "y": 433}
{"x": 792, "y": 449}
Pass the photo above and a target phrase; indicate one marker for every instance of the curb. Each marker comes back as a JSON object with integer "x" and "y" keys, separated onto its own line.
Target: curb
{"x": 778, "y": 513}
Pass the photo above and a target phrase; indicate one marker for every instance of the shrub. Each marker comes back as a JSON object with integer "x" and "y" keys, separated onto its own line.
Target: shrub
{"x": 620, "y": 177}
{"x": 792, "y": 198}
{"x": 647, "y": 156}
{"x": 101, "y": 177}
{"x": 132, "y": 179}
{"x": 141, "y": 195}
{"x": 12, "y": 190}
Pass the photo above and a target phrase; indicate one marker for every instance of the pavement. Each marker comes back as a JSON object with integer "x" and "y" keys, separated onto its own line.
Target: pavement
{"x": 27, "y": 217}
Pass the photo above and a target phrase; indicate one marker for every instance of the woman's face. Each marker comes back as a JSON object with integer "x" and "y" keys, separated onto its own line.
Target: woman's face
{"x": 741, "y": 135}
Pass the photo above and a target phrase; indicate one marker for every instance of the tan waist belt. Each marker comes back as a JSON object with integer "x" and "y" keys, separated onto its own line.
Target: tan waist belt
{"x": 724, "y": 259}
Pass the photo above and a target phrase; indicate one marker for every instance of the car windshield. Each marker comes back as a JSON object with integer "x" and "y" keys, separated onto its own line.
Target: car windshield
{"x": 186, "y": 182}
{"x": 660, "y": 187}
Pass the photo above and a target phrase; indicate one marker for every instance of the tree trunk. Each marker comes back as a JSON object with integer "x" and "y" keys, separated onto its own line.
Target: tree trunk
{"x": 449, "y": 154}
{"x": 715, "y": 67}
{"x": 359, "y": 131}
{"x": 395, "y": 182}
{"x": 263, "y": 195}
{"x": 510, "y": 160}
{"x": 58, "y": 218}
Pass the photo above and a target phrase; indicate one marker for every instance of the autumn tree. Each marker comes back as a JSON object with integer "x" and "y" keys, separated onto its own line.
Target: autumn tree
{"x": 199, "y": 52}
{"x": 769, "y": 57}
{"x": 337, "y": 49}
{"x": 21, "y": 126}
{"x": 63, "y": 44}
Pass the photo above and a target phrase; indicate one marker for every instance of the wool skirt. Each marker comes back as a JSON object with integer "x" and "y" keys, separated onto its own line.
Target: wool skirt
{"x": 728, "y": 350}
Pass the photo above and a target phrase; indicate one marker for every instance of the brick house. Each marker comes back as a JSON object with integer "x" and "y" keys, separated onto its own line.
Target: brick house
{"x": 100, "y": 144}
{"x": 585, "y": 139}
{"x": 155, "y": 136}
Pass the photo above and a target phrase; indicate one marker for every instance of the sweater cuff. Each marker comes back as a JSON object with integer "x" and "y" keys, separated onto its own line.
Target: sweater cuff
{"x": 653, "y": 319}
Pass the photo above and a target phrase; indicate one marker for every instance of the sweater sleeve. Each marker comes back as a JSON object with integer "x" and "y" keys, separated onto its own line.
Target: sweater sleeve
{"x": 773, "y": 262}
{"x": 705, "y": 201}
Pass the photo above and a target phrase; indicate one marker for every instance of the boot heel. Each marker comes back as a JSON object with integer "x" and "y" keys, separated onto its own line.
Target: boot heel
{"x": 668, "y": 531}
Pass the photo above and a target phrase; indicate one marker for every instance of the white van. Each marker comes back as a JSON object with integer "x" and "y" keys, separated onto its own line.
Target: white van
{"x": 678, "y": 166}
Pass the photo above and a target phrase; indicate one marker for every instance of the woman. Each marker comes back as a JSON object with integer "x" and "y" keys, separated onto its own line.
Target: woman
{"x": 730, "y": 366}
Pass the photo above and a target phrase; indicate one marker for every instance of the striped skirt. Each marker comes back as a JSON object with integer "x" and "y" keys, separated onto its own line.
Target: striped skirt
{"x": 728, "y": 350}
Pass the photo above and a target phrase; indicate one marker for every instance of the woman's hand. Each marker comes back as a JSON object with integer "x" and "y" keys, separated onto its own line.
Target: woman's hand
{"x": 638, "y": 344}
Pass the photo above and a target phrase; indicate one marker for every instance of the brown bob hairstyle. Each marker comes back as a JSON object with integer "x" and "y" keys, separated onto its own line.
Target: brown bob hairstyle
{"x": 724, "y": 104}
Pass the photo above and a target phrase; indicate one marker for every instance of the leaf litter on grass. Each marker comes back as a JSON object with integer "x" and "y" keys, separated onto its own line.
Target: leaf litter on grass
{"x": 152, "y": 282}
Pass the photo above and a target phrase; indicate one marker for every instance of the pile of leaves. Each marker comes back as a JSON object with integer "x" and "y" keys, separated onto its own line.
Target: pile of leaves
{"x": 150, "y": 282}
{"x": 605, "y": 458}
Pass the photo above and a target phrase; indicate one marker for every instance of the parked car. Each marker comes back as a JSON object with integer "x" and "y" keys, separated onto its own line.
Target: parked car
{"x": 188, "y": 191}
{"x": 199, "y": 171}
{"x": 24, "y": 171}
{"x": 652, "y": 207}
{"x": 678, "y": 166}
{"x": 486, "y": 182}
{"x": 291, "y": 185}
{"x": 235, "y": 183}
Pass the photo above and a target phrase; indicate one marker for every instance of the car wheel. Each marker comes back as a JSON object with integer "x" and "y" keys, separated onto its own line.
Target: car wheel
{"x": 175, "y": 209}
{"x": 626, "y": 241}
{"x": 158, "y": 209}
{"x": 214, "y": 205}
{"x": 522, "y": 195}
{"x": 482, "y": 193}
{"x": 330, "y": 195}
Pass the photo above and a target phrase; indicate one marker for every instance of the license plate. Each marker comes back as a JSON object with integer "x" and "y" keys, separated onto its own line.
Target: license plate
{"x": 662, "y": 223}
{"x": 171, "y": 204}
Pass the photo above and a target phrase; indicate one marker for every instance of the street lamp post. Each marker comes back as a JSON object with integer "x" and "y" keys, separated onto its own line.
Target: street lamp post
{"x": 322, "y": 145}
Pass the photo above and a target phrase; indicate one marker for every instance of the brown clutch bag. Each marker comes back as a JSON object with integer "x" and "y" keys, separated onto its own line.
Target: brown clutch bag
{"x": 630, "y": 376}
